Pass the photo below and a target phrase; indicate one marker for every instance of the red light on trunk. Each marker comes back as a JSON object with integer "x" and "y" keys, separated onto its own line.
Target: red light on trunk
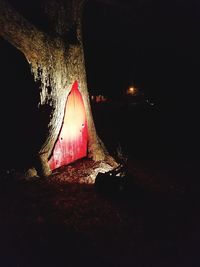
{"x": 73, "y": 138}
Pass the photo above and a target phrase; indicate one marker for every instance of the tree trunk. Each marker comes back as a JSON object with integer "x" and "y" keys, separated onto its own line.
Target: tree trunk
{"x": 56, "y": 61}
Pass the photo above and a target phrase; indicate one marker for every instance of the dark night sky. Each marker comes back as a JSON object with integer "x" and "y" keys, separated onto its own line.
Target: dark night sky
{"x": 152, "y": 43}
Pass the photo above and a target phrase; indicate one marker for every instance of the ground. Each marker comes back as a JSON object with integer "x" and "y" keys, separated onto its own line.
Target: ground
{"x": 56, "y": 222}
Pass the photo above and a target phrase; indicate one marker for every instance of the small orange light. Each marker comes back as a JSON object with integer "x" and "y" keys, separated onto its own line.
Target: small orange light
{"x": 131, "y": 90}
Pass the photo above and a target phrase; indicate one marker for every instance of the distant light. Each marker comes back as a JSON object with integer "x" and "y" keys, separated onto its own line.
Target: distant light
{"x": 132, "y": 90}
{"x": 98, "y": 98}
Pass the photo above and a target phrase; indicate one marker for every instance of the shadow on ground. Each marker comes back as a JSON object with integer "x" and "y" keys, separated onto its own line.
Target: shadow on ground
{"x": 56, "y": 223}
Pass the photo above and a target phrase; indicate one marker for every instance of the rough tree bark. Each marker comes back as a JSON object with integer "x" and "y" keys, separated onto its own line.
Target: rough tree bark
{"x": 56, "y": 60}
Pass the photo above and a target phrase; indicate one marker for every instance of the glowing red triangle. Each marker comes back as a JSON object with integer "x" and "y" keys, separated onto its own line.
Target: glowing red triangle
{"x": 73, "y": 138}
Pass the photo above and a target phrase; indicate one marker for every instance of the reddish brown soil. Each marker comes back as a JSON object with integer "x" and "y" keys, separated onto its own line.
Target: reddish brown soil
{"x": 63, "y": 221}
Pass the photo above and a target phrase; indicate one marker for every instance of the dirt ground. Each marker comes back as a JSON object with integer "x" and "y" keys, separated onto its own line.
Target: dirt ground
{"x": 64, "y": 221}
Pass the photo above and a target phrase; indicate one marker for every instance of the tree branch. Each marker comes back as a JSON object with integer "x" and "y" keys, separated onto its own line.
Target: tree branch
{"x": 19, "y": 32}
